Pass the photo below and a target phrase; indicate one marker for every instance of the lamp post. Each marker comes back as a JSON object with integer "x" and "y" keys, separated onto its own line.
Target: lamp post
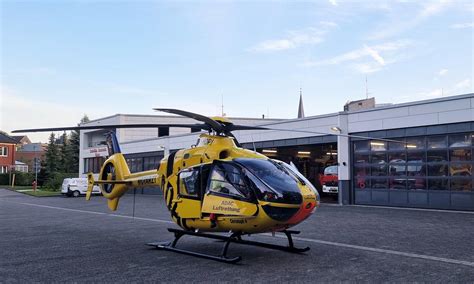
{"x": 36, "y": 164}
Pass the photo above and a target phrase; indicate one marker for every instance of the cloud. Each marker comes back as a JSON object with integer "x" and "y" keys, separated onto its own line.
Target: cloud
{"x": 462, "y": 85}
{"x": 130, "y": 90}
{"x": 19, "y": 112}
{"x": 442, "y": 72}
{"x": 328, "y": 24}
{"x": 333, "y": 2}
{"x": 399, "y": 25}
{"x": 295, "y": 39}
{"x": 432, "y": 8}
{"x": 366, "y": 68}
{"x": 375, "y": 55}
{"x": 360, "y": 57}
{"x": 35, "y": 71}
{"x": 431, "y": 94}
{"x": 462, "y": 26}
{"x": 274, "y": 45}
{"x": 456, "y": 89}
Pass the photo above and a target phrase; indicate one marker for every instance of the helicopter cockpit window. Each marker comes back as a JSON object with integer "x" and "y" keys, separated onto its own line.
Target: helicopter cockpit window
{"x": 189, "y": 183}
{"x": 273, "y": 181}
{"x": 228, "y": 180}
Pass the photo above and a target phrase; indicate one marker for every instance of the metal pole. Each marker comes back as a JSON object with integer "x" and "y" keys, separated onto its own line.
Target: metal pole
{"x": 36, "y": 166}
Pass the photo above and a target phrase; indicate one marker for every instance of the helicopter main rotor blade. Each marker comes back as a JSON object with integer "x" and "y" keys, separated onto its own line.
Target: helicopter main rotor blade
{"x": 334, "y": 134}
{"x": 235, "y": 127}
{"x": 113, "y": 126}
{"x": 211, "y": 122}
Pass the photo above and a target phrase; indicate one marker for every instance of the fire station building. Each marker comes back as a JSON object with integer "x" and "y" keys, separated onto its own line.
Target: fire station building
{"x": 431, "y": 165}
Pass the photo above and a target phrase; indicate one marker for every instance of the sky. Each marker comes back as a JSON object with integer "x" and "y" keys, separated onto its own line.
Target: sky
{"x": 60, "y": 60}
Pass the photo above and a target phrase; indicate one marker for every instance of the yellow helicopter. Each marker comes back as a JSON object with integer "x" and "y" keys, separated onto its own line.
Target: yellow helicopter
{"x": 214, "y": 186}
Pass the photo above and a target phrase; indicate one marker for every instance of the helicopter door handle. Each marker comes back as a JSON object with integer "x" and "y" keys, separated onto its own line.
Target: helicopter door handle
{"x": 176, "y": 200}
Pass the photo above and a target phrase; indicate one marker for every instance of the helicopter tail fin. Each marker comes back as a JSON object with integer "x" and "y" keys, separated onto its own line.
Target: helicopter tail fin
{"x": 90, "y": 185}
{"x": 113, "y": 203}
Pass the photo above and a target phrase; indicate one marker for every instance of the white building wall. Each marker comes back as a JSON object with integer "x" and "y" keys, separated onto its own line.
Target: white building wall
{"x": 140, "y": 140}
{"x": 433, "y": 112}
{"x": 423, "y": 113}
{"x": 314, "y": 124}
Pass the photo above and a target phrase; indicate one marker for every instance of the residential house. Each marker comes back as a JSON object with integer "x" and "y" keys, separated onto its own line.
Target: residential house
{"x": 7, "y": 153}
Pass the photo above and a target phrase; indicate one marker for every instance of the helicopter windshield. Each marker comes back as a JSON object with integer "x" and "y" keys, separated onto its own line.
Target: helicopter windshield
{"x": 227, "y": 180}
{"x": 273, "y": 182}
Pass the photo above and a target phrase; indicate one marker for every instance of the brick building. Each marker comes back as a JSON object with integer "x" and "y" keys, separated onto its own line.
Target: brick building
{"x": 7, "y": 153}
{"x": 28, "y": 153}
{"x": 21, "y": 140}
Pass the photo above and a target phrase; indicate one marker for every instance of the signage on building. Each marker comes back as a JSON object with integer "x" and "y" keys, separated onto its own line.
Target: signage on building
{"x": 99, "y": 151}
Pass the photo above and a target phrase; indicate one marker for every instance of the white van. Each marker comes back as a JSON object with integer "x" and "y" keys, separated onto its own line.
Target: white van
{"x": 77, "y": 186}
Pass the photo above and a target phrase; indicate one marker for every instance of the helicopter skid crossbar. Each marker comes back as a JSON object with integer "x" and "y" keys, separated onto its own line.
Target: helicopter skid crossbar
{"x": 234, "y": 238}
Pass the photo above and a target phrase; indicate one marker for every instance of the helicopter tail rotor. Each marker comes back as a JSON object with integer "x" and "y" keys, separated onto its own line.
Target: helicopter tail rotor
{"x": 112, "y": 181}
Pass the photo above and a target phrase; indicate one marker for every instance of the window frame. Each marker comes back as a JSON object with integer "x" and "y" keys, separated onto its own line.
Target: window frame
{"x": 449, "y": 153}
{"x": 4, "y": 151}
{"x": 185, "y": 194}
{"x": 252, "y": 198}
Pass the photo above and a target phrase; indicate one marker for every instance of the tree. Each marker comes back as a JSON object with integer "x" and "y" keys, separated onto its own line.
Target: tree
{"x": 52, "y": 156}
{"x": 42, "y": 176}
{"x": 84, "y": 119}
{"x": 64, "y": 158}
{"x": 72, "y": 150}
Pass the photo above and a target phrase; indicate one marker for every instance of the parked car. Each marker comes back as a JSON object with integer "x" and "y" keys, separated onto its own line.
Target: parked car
{"x": 329, "y": 180}
{"x": 76, "y": 187}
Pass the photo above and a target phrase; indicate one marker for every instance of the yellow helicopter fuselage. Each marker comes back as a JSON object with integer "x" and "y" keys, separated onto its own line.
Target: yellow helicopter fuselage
{"x": 218, "y": 187}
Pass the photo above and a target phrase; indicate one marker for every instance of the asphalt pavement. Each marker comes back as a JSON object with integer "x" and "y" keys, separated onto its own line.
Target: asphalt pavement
{"x": 59, "y": 239}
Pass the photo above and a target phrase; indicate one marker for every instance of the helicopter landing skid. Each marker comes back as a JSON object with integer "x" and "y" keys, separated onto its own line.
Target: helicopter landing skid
{"x": 234, "y": 238}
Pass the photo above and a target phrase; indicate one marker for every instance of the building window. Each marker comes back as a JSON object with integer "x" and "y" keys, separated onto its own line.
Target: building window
{"x": 438, "y": 162}
{"x": 3, "y": 169}
{"x": 3, "y": 151}
{"x": 135, "y": 164}
{"x": 163, "y": 131}
{"x": 151, "y": 163}
{"x": 93, "y": 165}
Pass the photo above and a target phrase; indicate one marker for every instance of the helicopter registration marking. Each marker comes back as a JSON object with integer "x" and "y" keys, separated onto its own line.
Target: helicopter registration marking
{"x": 144, "y": 180}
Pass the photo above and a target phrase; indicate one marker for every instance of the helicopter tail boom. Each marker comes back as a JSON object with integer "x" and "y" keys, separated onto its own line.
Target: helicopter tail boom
{"x": 115, "y": 179}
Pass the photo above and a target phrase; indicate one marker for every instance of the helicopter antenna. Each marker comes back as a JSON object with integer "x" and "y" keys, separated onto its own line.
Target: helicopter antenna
{"x": 367, "y": 93}
{"x": 222, "y": 105}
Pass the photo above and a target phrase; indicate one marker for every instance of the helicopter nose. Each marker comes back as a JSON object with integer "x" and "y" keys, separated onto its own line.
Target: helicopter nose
{"x": 307, "y": 207}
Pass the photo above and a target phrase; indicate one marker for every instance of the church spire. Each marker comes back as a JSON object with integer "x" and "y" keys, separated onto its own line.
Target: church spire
{"x": 300, "y": 106}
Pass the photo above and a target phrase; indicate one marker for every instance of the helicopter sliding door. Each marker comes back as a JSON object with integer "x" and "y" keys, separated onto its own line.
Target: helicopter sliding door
{"x": 190, "y": 193}
{"x": 228, "y": 192}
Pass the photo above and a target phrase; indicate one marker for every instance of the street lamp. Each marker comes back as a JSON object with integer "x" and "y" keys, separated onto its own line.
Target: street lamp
{"x": 36, "y": 164}
{"x": 336, "y": 129}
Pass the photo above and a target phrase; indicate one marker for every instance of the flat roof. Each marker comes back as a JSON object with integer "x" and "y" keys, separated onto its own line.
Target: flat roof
{"x": 422, "y": 102}
{"x": 179, "y": 116}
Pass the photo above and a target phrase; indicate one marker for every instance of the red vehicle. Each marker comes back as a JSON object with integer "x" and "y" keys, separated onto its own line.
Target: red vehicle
{"x": 329, "y": 180}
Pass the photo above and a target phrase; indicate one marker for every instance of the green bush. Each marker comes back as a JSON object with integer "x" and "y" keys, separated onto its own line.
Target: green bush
{"x": 54, "y": 182}
{"x": 24, "y": 178}
{"x": 20, "y": 179}
{"x": 4, "y": 178}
